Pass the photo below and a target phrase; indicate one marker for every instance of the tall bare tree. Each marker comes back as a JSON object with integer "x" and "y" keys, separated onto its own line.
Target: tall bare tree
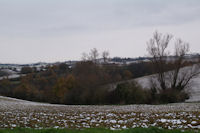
{"x": 84, "y": 56}
{"x": 156, "y": 47}
{"x": 93, "y": 55}
{"x": 180, "y": 74}
{"x": 105, "y": 56}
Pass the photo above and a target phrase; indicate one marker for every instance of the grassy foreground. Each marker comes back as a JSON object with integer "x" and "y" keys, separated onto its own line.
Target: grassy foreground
{"x": 135, "y": 130}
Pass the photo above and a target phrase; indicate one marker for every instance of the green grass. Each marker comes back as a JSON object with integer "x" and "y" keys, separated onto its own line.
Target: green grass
{"x": 135, "y": 130}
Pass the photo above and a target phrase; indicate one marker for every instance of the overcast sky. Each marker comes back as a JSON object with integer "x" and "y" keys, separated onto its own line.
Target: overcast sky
{"x": 59, "y": 30}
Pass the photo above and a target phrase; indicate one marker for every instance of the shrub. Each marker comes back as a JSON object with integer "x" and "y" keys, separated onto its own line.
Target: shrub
{"x": 172, "y": 96}
{"x": 129, "y": 93}
{"x": 26, "y": 70}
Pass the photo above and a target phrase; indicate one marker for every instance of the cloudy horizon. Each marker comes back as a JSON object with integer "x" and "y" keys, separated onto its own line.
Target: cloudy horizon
{"x": 60, "y": 30}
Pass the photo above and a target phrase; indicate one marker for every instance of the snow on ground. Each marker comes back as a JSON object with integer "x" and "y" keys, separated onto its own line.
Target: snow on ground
{"x": 10, "y": 76}
{"x": 195, "y": 91}
{"x": 20, "y": 113}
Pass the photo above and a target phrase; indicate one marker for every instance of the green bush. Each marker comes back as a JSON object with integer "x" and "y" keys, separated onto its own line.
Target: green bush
{"x": 129, "y": 93}
{"x": 172, "y": 96}
{"x": 26, "y": 70}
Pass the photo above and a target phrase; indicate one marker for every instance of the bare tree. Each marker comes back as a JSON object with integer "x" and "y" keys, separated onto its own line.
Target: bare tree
{"x": 84, "y": 56}
{"x": 105, "y": 56}
{"x": 179, "y": 75}
{"x": 156, "y": 47}
{"x": 93, "y": 55}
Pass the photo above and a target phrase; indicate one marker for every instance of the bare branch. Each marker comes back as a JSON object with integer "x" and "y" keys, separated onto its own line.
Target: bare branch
{"x": 171, "y": 73}
{"x": 105, "y": 56}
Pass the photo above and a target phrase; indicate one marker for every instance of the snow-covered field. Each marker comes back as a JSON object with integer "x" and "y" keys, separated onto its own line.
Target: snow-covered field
{"x": 20, "y": 113}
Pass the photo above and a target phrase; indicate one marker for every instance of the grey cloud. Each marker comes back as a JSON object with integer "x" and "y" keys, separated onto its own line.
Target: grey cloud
{"x": 44, "y": 16}
{"x": 85, "y": 20}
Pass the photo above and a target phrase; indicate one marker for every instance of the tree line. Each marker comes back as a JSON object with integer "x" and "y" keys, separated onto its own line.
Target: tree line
{"x": 83, "y": 84}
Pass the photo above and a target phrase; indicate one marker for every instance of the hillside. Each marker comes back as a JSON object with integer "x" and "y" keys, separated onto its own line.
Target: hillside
{"x": 193, "y": 89}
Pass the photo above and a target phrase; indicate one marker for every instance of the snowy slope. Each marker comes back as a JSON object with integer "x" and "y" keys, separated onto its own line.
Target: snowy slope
{"x": 194, "y": 90}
